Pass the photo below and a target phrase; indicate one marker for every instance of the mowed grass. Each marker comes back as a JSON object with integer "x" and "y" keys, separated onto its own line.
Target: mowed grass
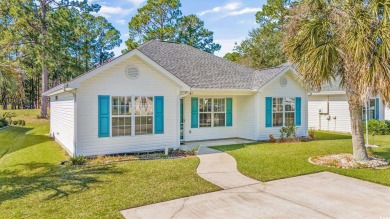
{"x": 267, "y": 161}
{"x": 33, "y": 185}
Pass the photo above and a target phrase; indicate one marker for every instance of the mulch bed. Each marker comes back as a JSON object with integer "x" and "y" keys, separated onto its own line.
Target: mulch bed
{"x": 346, "y": 161}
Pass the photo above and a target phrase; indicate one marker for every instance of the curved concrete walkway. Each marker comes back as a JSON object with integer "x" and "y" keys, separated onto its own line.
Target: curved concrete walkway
{"x": 320, "y": 195}
{"x": 220, "y": 169}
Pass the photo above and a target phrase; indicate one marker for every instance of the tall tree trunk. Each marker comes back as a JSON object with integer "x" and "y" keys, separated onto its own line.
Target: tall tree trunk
{"x": 355, "y": 112}
{"x": 45, "y": 81}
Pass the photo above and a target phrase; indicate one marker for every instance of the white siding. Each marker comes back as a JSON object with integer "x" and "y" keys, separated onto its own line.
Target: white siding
{"x": 247, "y": 117}
{"x": 386, "y": 110}
{"x": 113, "y": 82}
{"x": 62, "y": 120}
{"x": 339, "y": 118}
{"x": 244, "y": 120}
{"x": 207, "y": 133}
{"x": 274, "y": 89}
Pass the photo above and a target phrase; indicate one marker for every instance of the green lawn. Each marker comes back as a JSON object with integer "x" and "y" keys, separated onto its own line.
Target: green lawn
{"x": 32, "y": 185}
{"x": 267, "y": 161}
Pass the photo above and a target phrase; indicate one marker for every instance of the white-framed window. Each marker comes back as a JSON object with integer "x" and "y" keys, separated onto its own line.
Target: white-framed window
{"x": 212, "y": 112}
{"x": 121, "y": 110}
{"x": 371, "y": 106}
{"x": 131, "y": 115}
{"x": 144, "y": 110}
{"x": 283, "y": 111}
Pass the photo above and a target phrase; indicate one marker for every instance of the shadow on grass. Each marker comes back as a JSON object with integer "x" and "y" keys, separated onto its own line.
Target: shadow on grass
{"x": 57, "y": 181}
{"x": 17, "y": 138}
{"x": 234, "y": 147}
{"x": 383, "y": 153}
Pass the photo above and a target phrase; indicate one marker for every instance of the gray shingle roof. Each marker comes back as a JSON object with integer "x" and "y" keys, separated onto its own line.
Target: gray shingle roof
{"x": 203, "y": 70}
{"x": 199, "y": 69}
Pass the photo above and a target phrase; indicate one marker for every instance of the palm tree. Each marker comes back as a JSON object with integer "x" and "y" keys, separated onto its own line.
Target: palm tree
{"x": 349, "y": 39}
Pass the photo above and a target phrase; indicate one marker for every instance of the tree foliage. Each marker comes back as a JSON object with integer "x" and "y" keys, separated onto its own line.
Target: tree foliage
{"x": 191, "y": 31}
{"x": 48, "y": 42}
{"x": 348, "y": 39}
{"x": 264, "y": 46}
{"x": 163, "y": 20}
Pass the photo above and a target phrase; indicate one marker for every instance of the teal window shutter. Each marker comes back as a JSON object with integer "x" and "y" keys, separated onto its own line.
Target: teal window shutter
{"x": 229, "y": 112}
{"x": 103, "y": 116}
{"x": 159, "y": 115}
{"x": 194, "y": 112}
{"x": 268, "y": 112}
{"x": 377, "y": 108}
{"x": 298, "y": 111}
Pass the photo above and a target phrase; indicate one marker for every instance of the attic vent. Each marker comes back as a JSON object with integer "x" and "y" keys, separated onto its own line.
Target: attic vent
{"x": 132, "y": 72}
{"x": 283, "y": 81}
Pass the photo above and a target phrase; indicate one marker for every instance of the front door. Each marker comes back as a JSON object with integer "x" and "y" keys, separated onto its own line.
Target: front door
{"x": 181, "y": 120}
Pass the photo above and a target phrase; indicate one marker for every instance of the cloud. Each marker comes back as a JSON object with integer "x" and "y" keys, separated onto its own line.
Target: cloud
{"x": 137, "y": 3}
{"x": 107, "y": 11}
{"x": 243, "y": 11}
{"x": 121, "y": 22}
{"x": 228, "y": 7}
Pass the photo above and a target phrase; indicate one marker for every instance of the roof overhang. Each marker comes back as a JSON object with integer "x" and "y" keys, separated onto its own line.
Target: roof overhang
{"x": 75, "y": 83}
{"x": 222, "y": 92}
{"x": 328, "y": 93}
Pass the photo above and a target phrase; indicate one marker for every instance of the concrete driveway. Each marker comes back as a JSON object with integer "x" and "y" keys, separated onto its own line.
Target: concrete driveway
{"x": 320, "y": 195}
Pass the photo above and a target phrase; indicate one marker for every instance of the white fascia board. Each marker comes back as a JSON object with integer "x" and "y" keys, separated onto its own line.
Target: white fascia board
{"x": 328, "y": 93}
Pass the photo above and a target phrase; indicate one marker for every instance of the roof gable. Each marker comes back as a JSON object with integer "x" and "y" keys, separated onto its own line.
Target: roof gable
{"x": 189, "y": 67}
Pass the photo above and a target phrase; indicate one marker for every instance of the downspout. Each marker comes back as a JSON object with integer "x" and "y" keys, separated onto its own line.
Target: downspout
{"x": 178, "y": 115}
{"x": 73, "y": 92}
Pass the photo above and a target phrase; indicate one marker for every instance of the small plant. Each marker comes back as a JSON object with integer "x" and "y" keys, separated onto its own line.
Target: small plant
{"x": 79, "y": 160}
{"x": 287, "y": 132}
{"x": 14, "y": 122}
{"x": 272, "y": 139}
{"x": 311, "y": 133}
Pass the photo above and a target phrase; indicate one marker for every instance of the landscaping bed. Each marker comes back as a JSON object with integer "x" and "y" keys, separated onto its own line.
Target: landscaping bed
{"x": 346, "y": 161}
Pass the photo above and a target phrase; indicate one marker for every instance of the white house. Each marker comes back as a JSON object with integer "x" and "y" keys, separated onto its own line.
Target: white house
{"x": 329, "y": 110}
{"x": 162, "y": 94}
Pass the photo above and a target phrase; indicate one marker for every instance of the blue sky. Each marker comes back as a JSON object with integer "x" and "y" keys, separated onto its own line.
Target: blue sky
{"x": 230, "y": 19}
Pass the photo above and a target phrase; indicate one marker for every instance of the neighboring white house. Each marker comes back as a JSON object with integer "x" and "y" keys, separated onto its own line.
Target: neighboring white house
{"x": 329, "y": 109}
{"x": 162, "y": 94}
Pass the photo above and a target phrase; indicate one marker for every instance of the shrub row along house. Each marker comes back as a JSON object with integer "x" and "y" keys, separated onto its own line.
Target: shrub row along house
{"x": 162, "y": 94}
{"x": 329, "y": 109}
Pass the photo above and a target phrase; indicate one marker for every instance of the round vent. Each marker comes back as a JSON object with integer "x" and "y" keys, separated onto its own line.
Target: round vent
{"x": 283, "y": 81}
{"x": 132, "y": 72}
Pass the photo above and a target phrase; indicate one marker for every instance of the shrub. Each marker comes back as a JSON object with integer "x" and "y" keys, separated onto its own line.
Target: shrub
{"x": 14, "y": 122}
{"x": 377, "y": 127}
{"x": 9, "y": 116}
{"x": 23, "y": 123}
{"x": 20, "y": 122}
{"x": 79, "y": 160}
{"x": 2, "y": 124}
{"x": 272, "y": 139}
{"x": 287, "y": 132}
